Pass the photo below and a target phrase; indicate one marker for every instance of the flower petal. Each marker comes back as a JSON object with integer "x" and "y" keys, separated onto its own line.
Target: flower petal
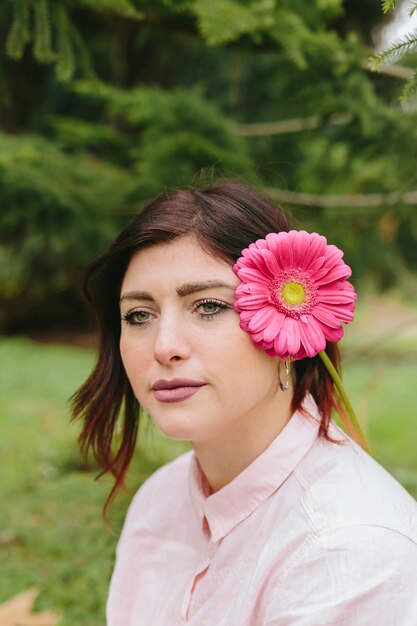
{"x": 249, "y": 275}
{"x": 326, "y": 317}
{"x": 273, "y": 242}
{"x": 259, "y": 262}
{"x": 306, "y": 341}
{"x": 335, "y": 273}
{"x": 285, "y": 253}
{"x": 293, "y": 336}
{"x": 272, "y": 330}
{"x": 271, "y": 262}
{"x": 251, "y": 289}
{"x": 343, "y": 313}
{"x": 279, "y": 244}
{"x": 339, "y": 297}
{"x": 316, "y": 249}
{"x": 280, "y": 341}
{"x": 334, "y": 334}
{"x": 261, "y": 318}
{"x": 258, "y": 338}
{"x": 300, "y": 243}
{"x": 261, "y": 244}
{"x": 333, "y": 255}
{"x": 317, "y": 265}
{"x": 312, "y": 336}
{"x": 340, "y": 285}
{"x": 252, "y": 302}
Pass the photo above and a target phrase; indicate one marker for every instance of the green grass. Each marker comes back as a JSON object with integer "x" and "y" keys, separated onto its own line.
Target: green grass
{"x": 51, "y": 532}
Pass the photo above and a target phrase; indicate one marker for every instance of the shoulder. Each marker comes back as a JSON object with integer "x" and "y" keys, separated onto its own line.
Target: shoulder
{"x": 344, "y": 487}
{"x": 355, "y": 576}
{"x": 356, "y": 553}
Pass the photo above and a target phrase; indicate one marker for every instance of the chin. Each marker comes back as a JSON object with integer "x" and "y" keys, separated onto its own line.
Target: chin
{"x": 175, "y": 427}
{"x": 181, "y": 430}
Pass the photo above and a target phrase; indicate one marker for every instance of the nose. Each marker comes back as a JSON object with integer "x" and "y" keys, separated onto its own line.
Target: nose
{"x": 171, "y": 342}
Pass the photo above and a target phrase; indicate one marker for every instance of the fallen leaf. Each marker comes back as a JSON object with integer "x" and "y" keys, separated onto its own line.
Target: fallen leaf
{"x": 18, "y": 612}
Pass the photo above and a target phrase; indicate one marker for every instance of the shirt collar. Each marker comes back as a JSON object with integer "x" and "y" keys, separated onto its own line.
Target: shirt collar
{"x": 225, "y": 508}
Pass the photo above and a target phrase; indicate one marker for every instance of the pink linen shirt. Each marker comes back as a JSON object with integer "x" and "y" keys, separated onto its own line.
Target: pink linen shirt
{"x": 311, "y": 533}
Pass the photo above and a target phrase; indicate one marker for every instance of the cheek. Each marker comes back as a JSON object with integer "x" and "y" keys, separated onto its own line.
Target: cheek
{"x": 133, "y": 357}
{"x": 240, "y": 344}
{"x": 247, "y": 363}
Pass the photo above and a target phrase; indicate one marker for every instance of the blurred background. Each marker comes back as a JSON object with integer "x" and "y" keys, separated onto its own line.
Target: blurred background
{"x": 104, "y": 104}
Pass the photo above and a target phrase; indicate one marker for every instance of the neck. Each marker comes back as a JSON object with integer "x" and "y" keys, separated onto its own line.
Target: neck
{"x": 221, "y": 460}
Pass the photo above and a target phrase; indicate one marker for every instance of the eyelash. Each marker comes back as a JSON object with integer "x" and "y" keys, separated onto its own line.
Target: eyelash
{"x": 129, "y": 318}
{"x": 222, "y": 306}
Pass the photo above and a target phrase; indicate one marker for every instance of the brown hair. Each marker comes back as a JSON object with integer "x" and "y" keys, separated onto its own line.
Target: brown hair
{"x": 225, "y": 218}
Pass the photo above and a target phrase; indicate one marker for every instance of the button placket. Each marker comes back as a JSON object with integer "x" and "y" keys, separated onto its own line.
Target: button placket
{"x": 200, "y": 572}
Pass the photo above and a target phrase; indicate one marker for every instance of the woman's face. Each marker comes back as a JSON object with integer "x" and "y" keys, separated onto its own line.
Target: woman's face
{"x": 192, "y": 368}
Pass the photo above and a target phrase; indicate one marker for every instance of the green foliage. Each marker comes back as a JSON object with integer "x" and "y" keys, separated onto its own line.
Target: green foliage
{"x": 47, "y": 21}
{"x": 174, "y": 135}
{"x": 388, "y": 5}
{"x": 64, "y": 202}
{"x": 124, "y": 8}
{"x": 19, "y": 34}
{"x": 56, "y": 210}
{"x": 396, "y": 51}
{"x": 42, "y": 33}
{"x": 219, "y": 22}
{"x": 409, "y": 90}
{"x": 166, "y": 85}
{"x": 65, "y": 66}
{"x": 223, "y": 21}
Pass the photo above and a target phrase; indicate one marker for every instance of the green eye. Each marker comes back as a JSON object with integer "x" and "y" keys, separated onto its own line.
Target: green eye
{"x": 210, "y": 307}
{"x": 136, "y": 318}
{"x": 140, "y": 316}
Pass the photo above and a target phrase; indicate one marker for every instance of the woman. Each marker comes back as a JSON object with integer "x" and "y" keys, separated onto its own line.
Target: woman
{"x": 222, "y": 324}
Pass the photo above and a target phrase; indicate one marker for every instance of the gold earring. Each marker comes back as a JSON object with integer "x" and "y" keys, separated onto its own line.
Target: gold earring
{"x": 284, "y": 385}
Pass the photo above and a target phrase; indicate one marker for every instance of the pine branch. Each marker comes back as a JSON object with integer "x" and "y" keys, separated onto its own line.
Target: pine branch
{"x": 291, "y": 32}
{"x": 42, "y": 37}
{"x": 413, "y": 9}
{"x": 65, "y": 62}
{"x": 388, "y": 5}
{"x": 290, "y": 126}
{"x": 409, "y": 90}
{"x": 84, "y": 57}
{"x": 396, "y": 71}
{"x": 19, "y": 34}
{"x": 397, "y": 50}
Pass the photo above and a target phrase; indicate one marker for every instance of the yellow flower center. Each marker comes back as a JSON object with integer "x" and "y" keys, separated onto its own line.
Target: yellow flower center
{"x": 293, "y": 293}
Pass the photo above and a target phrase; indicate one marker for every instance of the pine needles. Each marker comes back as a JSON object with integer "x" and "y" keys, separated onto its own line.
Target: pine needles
{"x": 48, "y": 25}
{"x": 398, "y": 50}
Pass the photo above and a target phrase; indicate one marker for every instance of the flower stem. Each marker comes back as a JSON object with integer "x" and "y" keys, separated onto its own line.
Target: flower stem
{"x": 339, "y": 385}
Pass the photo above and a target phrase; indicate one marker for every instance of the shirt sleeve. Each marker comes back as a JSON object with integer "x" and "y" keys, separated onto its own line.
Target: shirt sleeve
{"x": 354, "y": 576}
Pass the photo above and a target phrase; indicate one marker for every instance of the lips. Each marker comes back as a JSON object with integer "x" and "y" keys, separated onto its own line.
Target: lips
{"x": 176, "y": 390}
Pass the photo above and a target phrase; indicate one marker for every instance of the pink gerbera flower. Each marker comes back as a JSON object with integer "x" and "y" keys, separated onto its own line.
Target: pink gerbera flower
{"x": 294, "y": 293}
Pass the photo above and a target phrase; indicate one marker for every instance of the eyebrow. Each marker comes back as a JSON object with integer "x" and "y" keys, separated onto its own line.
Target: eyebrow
{"x": 184, "y": 290}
